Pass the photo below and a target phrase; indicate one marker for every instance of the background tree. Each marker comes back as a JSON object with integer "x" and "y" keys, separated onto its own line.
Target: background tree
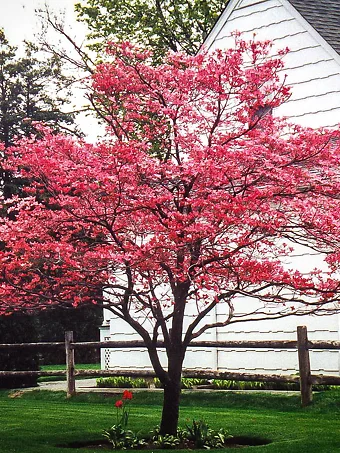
{"x": 32, "y": 88}
{"x": 213, "y": 218}
{"x": 161, "y": 25}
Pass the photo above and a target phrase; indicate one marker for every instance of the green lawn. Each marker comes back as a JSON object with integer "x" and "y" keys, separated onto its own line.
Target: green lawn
{"x": 81, "y": 366}
{"x": 35, "y": 422}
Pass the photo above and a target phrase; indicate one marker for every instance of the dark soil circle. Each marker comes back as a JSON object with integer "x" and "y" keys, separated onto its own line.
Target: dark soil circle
{"x": 233, "y": 442}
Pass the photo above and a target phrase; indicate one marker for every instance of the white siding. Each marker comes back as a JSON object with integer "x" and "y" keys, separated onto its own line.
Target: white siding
{"x": 313, "y": 72}
{"x": 311, "y": 64}
{"x": 278, "y": 361}
{"x": 239, "y": 360}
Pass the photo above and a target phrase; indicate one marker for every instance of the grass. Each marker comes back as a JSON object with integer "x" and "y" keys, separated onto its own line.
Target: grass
{"x": 80, "y": 366}
{"x": 35, "y": 422}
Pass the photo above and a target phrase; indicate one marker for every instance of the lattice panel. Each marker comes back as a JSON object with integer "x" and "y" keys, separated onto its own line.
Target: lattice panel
{"x": 107, "y": 355}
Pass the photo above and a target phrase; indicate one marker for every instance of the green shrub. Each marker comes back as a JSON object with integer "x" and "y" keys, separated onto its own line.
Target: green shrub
{"x": 122, "y": 438}
{"x": 18, "y": 328}
{"x": 190, "y": 383}
{"x": 204, "y": 437}
{"x": 218, "y": 384}
{"x": 225, "y": 384}
{"x": 163, "y": 441}
{"x": 157, "y": 383}
{"x": 121, "y": 382}
{"x": 139, "y": 383}
{"x": 197, "y": 435}
{"x": 186, "y": 383}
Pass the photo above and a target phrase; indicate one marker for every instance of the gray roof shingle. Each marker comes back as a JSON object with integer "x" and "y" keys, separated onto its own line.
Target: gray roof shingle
{"x": 324, "y": 16}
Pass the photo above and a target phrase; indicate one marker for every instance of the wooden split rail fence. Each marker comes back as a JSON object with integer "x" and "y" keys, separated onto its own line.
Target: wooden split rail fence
{"x": 302, "y": 345}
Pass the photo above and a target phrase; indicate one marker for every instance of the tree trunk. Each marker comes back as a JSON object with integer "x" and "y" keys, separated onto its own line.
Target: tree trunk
{"x": 170, "y": 413}
{"x": 172, "y": 390}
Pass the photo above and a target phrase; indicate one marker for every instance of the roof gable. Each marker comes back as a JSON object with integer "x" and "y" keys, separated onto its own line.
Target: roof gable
{"x": 323, "y": 16}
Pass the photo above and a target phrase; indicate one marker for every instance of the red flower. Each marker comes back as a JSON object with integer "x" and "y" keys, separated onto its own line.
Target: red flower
{"x": 119, "y": 403}
{"x": 127, "y": 395}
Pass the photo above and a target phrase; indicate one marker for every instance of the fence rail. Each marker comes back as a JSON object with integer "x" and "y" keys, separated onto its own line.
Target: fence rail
{"x": 258, "y": 344}
{"x": 302, "y": 345}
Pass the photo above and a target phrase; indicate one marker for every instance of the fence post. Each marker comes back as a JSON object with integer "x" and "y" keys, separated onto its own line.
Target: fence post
{"x": 70, "y": 378}
{"x": 304, "y": 366}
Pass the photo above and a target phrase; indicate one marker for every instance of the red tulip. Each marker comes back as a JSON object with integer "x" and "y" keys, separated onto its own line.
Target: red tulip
{"x": 119, "y": 403}
{"x": 127, "y": 395}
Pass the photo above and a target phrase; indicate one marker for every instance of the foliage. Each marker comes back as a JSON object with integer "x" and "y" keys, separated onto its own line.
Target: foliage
{"x": 198, "y": 432}
{"x": 139, "y": 383}
{"x": 163, "y": 25}
{"x": 127, "y": 382}
{"x": 32, "y": 89}
{"x": 225, "y": 384}
{"x": 52, "y": 324}
{"x": 198, "y": 435}
{"x": 167, "y": 441}
{"x": 214, "y": 384}
{"x": 203, "y": 436}
{"x": 157, "y": 383}
{"x": 121, "y": 382}
{"x": 186, "y": 383}
{"x": 190, "y": 383}
{"x": 121, "y": 438}
{"x": 18, "y": 328}
{"x": 211, "y": 221}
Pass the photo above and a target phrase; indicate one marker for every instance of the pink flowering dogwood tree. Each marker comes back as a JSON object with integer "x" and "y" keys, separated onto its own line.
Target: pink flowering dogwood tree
{"x": 195, "y": 198}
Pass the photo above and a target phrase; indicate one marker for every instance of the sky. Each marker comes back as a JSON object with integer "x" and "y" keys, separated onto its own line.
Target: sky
{"x": 20, "y": 22}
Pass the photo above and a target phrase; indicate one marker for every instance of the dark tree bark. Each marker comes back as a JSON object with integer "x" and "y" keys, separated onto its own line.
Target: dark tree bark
{"x": 172, "y": 390}
{"x": 175, "y": 353}
{"x": 170, "y": 412}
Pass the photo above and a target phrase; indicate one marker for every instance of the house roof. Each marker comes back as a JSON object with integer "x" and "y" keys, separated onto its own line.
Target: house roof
{"x": 323, "y": 16}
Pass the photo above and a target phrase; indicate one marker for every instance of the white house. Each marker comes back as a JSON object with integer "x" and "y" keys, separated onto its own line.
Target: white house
{"x": 311, "y": 31}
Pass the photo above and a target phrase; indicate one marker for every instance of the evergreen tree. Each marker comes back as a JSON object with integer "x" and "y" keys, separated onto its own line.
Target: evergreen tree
{"x": 32, "y": 88}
